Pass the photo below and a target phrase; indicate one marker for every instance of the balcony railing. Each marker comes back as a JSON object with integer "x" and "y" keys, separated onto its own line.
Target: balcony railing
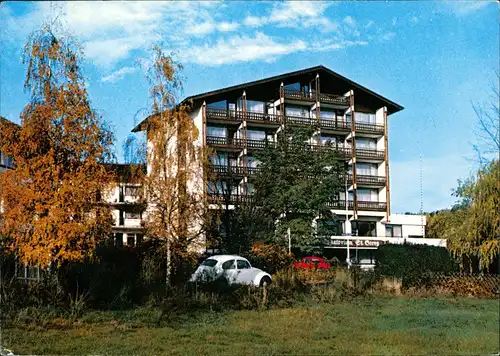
{"x": 262, "y": 117}
{"x": 300, "y": 120}
{"x": 225, "y": 142}
{"x": 334, "y": 99}
{"x": 222, "y": 114}
{"x": 225, "y": 170}
{"x": 298, "y": 94}
{"x": 368, "y": 180}
{"x": 368, "y": 128}
{"x": 370, "y": 154}
{"x": 260, "y": 144}
{"x": 311, "y": 96}
{"x": 229, "y": 198}
{"x": 362, "y": 205}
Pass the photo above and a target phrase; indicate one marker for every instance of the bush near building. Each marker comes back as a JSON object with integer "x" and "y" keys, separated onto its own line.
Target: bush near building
{"x": 412, "y": 262}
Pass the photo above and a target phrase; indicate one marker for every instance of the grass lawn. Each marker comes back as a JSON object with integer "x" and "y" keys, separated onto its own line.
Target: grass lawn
{"x": 388, "y": 326}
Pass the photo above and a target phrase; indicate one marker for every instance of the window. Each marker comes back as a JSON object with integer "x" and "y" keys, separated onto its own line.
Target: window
{"x": 218, "y": 105}
{"x": 365, "y": 143}
{"x": 121, "y": 219}
{"x": 393, "y": 231}
{"x": 368, "y": 195}
{"x": 216, "y": 131}
{"x": 362, "y": 117}
{"x": 119, "y": 239}
{"x": 242, "y": 264}
{"x": 219, "y": 159}
{"x": 327, "y": 140}
{"x": 209, "y": 262}
{"x": 130, "y": 239}
{"x": 365, "y": 228}
{"x": 255, "y": 106}
{"x": 131, "y": 191}
{"x": 217, "y": 187}
{"x": 132, "y": 215}
{"x": 252, "y": 161}
{"x": 296, "y": 111}
{"x": 256, "y": 135}
{"x": 228, "y": 265}
{"x": 328, "y": 115}
{"x": 140, "y": 239}
{"x": 250, "y": 189}
{"x": 366, "y": 169}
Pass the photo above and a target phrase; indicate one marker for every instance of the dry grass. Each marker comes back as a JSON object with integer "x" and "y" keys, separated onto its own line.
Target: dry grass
{"x": 389, "y": 326}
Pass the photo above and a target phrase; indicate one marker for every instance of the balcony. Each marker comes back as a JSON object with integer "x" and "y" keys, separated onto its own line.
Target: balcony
{"x": 362, "y": 205}
{"x": 301, "y": 121}
{"x": 368, "y": 128}
{"x": 295, "y": 94}
{"x": 228, "y": 171}
{"x": 368, "y": 180}
{"x": 229, "y": 198}
{"x": 262, "y": 118}
{"x": 225, "y": 142}
{"x": 260, "y": 144}
{"x": 298, "y": 95}
{"x": 371, "y": 155}
{"x": 223, "y": 116}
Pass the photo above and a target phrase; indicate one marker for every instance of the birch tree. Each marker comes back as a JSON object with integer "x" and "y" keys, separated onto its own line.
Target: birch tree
{"x": 51, "y": 205}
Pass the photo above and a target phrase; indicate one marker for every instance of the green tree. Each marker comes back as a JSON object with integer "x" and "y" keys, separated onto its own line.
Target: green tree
{"x": 475, "y": 228}
{"x": 295, "y": 183}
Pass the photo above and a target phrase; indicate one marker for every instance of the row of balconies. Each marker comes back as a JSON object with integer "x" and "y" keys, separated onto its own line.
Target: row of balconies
{"x": 236, "y": 117}
{"x": 240, "y": 143}
{"x": 242, "y": 171}
{"x": 333, "y": 204}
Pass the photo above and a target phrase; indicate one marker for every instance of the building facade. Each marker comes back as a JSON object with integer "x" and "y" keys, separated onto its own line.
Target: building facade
{"x": 238, "y": 121}
{"x": 127, "y": 209}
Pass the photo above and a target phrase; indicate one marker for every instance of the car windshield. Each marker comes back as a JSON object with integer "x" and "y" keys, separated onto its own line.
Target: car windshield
{"x": 209, "y": 262}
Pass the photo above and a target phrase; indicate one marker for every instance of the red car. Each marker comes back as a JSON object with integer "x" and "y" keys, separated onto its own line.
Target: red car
{"x": 312, "y": 262}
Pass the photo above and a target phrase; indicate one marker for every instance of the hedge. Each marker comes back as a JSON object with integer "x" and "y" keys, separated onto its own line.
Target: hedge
{"x": 410, "y": 262}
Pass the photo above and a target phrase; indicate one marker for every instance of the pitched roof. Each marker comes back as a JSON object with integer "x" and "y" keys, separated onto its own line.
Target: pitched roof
{"x": 330, "y": 82}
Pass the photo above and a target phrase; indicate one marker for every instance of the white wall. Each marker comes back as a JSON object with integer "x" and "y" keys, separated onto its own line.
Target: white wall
{"x": 411, "y": 224}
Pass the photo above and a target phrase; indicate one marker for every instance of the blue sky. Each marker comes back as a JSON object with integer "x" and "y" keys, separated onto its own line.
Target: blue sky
{"x": 434, "y": 58}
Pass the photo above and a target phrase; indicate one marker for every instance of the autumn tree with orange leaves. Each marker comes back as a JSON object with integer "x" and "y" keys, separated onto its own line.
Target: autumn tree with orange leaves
{"x": 51, "y": 201}
{"x": 174, "y": 185}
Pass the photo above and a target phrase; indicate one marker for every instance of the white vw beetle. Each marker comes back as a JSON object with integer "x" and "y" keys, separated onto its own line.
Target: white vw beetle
{"x": 235, "y": 269}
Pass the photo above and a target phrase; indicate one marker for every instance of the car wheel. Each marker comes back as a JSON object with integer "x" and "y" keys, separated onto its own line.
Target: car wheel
{"x": 265, "y": 281}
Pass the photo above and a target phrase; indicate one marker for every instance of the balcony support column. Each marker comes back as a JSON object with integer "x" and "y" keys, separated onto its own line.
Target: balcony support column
{"x": 353, "y": 154}
{"x": 317, "y": 97}
{"x": 244, "y": 128}
{"x": 386, "y": 158}
{"x": 204, "y": 142}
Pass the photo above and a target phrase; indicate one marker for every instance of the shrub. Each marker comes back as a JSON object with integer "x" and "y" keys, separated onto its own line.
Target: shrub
{"x": 412, "y": 262}
{"x": 269, "y": 257}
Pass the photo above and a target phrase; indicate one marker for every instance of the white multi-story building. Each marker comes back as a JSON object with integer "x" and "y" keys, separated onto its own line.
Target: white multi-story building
{"x": 240, "y": 120}
{"x": 124, "y": 198}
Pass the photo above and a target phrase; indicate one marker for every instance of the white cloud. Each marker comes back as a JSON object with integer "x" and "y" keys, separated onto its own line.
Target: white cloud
{"x": 350, "y": 21}
{"x": 414, "y": 20}
{"x": 369, "y": 24}
{"x": 394, "y": 21}
{"x": 227, "y": 26}
{"x": 260, "y": 47}
{"x": 388, "y": 36}
{"x": 201, "y": 29}
{"x": 461, "y": 8}
{"x": 254, "y": 21}
{"x": 118, "y": 74}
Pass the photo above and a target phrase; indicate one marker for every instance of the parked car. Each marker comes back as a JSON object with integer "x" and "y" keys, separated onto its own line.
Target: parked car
{"x": 312, "y": 262}
{"x": 235, "y": 269}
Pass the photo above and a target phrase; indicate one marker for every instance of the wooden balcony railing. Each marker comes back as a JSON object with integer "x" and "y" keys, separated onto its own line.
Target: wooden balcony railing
{"x": 222, "y": 114}
{"x": 260, "y": 144}
{"x": 370, "y": 154}
{"x": 362, "y": 205}
{"x": 300, "y": 120}
{"x": 225, "y": 142}
{"x": 226, "y": 170}
{"x": 262, "y": 117}
{"x": 368, "y": 128}
{"x": 229, "y": 198}
{"x": 368, "y": 180}
{"x": 298, "y": 94}
{"x": 311, "y": 96}
{"x": 334, "y": 99}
